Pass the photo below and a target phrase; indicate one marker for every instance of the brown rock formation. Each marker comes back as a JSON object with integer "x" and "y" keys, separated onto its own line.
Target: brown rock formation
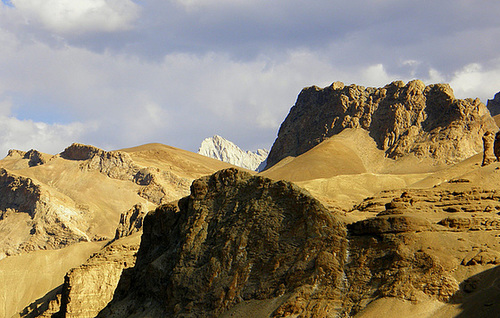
{"x": 35, "y": 158}
{"x": 119, "y": 165}
{"x": 80, "y": 152}
{"x": 90, "y": 287}
{"x": 411, "y": 119}
{"x": 488, "y": 148}
{"x": 234, "y": 239}
{"x": 408, "y": 257}
{"x": 14, "y": 153}
{"x": 130, "y": 221}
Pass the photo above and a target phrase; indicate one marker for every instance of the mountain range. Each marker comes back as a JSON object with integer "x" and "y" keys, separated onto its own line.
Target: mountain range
{"x": 374, "y": 203}
{"x": 222, "y": 149}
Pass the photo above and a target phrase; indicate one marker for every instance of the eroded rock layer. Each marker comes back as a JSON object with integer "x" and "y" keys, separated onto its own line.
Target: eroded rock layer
{"x": 236, "y": 238}
{"x": 422, "y": 245}
{"x": 411, "y": 119}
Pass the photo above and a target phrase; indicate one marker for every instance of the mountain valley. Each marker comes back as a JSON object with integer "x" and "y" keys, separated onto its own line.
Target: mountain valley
{"x": 374, "y": 203}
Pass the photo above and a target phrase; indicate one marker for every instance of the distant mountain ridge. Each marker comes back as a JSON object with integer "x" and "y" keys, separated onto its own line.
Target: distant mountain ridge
{"x": 217, "y": 147}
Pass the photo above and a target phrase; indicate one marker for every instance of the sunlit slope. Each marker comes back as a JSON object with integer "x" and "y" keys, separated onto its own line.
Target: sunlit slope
{"x": 181, "y": 162}
{"x": 349, "y": 167}
{"x": 25, "y": 278}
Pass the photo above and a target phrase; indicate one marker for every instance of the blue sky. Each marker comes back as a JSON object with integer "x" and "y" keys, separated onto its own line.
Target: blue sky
{"x": 119, "y": 73}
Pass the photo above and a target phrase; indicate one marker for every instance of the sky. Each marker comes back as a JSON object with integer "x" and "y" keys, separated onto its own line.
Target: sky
{"x": 121, "y": 73}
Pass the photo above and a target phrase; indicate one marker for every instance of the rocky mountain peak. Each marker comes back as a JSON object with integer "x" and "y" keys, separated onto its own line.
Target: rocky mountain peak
{"x": 222, "y": 149}
{"x": 403, "y": 119}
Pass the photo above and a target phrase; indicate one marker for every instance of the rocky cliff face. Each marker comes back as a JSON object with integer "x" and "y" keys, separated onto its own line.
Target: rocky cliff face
{"x": 236, "y": 238}
{"x": 90, "y": 287}
{"x": 221, "y": 149}
{"x": 31, "y": 218}
{"x": 411, "y": 119}
{"x": 494, "y": 105}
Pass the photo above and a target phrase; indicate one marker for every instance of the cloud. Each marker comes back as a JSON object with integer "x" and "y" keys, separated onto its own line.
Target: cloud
{"x": 27, "y": 134}
{"x": 79, "y": 16}
{"x": 188, "y": 69}
{"x": 475, "y": 80}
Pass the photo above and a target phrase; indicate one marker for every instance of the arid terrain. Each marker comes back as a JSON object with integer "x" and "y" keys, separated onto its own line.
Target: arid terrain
{"x": 374, "y": 203}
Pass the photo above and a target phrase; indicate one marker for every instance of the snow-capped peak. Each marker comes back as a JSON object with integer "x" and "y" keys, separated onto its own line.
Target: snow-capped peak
{"x": 222, "y": 149}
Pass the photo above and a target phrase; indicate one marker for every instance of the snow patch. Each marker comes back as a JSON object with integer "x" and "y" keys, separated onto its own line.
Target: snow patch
{"x": 224, "y": 150}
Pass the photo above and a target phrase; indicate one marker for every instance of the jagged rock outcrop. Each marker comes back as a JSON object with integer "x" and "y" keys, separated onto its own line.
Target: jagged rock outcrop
{"x": 236, "y": 238}
{"x": 222, "y": 149}
{"x": 115, "y": 164}
{"x": 87, "y": 289}
{"x": 488, "y": 148}
{"x": 411, "y": 119}
{"x": 80, "y": 152}
{"x": 130, "y": 221}
{"x": 494, "y": 105}
{"x": 35, "y": 158}
{"x": 18, "y": 193}
{"x": 14, "y": 153}
{"x": 496, "y": 146}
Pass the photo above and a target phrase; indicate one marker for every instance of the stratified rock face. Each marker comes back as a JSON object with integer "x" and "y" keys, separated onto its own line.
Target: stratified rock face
{"x": 18, "y": 193}
{"x": 488, "y": 148}
{"x": 90, "y": 287}
{"x": 39, "y": 221}
{"x": 422, "y": 244}
{"x": 115, "y": 164}
{"x": 494, "y": 105}
{"x": 236, "y": 238}
{"x": 222, "y": 149}
{"x": 425, "y": 121}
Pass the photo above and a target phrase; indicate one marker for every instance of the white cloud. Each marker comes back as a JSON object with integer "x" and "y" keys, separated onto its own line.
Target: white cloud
{"x": 79, "y": 16}
{"x": 26, "y": 135}
{"x": 474, "y": 80}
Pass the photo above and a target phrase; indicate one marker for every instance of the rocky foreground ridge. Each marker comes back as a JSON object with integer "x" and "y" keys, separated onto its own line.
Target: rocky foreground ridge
{"x": 247, "y": 246}
{"x": 236, "y": 238}
{"x": 412, "y": 119}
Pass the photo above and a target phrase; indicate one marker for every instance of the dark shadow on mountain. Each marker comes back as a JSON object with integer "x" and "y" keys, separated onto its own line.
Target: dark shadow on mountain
{"x": 479, "y": 295}
{"x": 41, "y": 305}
